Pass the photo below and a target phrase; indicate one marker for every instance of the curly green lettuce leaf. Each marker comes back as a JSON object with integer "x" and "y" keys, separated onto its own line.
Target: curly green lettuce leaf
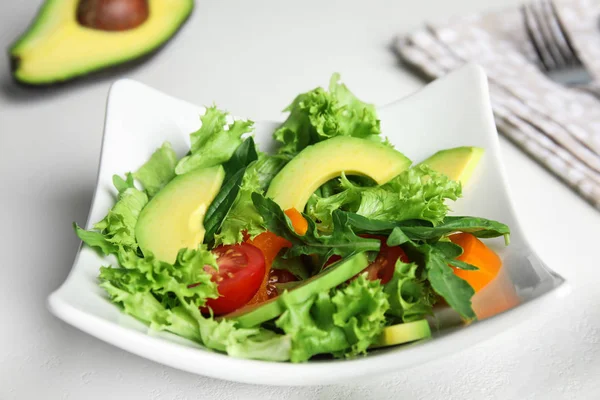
{"x": 341, "y": 241}
{"x": 95, "y": 240}
{"x": 214, "y": 142}
{"x": 344, "y": 321}
{"x": 410, "y": 296}
{"x": 158, "y": 170}
{"x": 117, "y": 229}
{"x": 186, "y": 278}
{"x": 253, "y": 343}
{"x": 168, "y": 297}
{"x": 123, "y": 184}
{"x": 319, "y": 115}
{"x": 417, "y": 193}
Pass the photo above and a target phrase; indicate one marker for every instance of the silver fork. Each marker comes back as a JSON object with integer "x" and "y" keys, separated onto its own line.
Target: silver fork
{"x": 556, "y": 54}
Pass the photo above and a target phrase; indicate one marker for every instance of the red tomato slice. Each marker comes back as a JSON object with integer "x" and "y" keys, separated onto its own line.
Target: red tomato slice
{"x": 384, "y": 265}
{"x": 241, "y": 271}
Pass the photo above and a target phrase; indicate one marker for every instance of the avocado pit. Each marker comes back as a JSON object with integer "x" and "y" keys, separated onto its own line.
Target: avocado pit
{"x": 112, "y": 15}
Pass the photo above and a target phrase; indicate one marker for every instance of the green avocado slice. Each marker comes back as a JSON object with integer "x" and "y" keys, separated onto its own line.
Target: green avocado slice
{"x": 316, "y": 164}
{"x": 457, "y": 163}
{"x": 174, "y": 218}
{"x": 331, "y": 277}
{"x": 403, "y": 333}
{"x": 56, "y": 47}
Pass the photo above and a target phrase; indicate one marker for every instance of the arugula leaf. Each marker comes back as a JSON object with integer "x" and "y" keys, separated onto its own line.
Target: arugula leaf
{"x": 479, "y": 227}
{"x": 342, "y": 240}
{"x": 409, "y": 295}
{"x": 229, "y": 194}
{"x": 449, "y": 249}
{"x": 397, "y": 237}
{"x": 241, "y": 158}
{"x": 425, "y": 231}
{"x": 294, "y": 265}
{"x": 158, "y": 170}
{"x": 462, "y": 265}
{"x": 453, "y": 289}
{"x": 319, "y": 115}
{"x": 434, "y": 258}
{"x": 215, "y": 141}
{"x": 243, "y": 216}
{"x": 344, "y": 321}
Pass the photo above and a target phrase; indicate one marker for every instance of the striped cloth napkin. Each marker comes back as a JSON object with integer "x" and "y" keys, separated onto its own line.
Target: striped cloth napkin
{"x": 556, "y": 125}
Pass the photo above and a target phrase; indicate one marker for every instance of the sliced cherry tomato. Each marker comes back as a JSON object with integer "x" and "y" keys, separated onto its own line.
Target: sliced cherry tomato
{"x": 270, "y": 244}
{"x": 384, "y": 265}
{"x": 241, "y": 271}
{"x": 278, "y": 276}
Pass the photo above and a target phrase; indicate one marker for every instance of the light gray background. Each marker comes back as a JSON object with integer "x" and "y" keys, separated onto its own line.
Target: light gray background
{"x": 253, "y": 57}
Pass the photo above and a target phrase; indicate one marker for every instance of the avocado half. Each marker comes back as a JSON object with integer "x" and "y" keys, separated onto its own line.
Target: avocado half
{"x": 57, "y": 47}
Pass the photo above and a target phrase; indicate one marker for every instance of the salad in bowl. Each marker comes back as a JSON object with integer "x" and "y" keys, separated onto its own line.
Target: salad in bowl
{"x": 334, "y": 244}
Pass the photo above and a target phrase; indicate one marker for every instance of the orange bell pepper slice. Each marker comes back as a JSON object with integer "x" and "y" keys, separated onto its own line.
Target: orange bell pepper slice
{"x": 299, "y": 223}
{"x": 270, "y": 244}
{"x": 476, "y": 253}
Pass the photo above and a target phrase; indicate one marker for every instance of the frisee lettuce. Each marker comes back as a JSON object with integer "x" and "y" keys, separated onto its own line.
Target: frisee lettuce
{"x": 319, "y": 115}
{"x": 417, "y": 193}
{"x": 411, "y": 297}
{"x": 214, "y": 142}
{"x": 344, "y": 321}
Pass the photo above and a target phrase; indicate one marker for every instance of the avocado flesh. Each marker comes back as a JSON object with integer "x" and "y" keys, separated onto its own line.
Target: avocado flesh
{"x": 57, "y": 48}
{"x": 173, "y": 219}
{"x": 331, "y": 277}
{"x": 316, "y": 164}
{"x": 403, "y": 333}
{"x": 457, "y": 163}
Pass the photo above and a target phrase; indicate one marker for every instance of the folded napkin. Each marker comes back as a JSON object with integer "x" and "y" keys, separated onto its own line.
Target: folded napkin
{"x": 556, "y": 125}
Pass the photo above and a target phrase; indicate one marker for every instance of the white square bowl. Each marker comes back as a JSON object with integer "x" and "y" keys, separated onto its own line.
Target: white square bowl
{"x": 452, "y": 111}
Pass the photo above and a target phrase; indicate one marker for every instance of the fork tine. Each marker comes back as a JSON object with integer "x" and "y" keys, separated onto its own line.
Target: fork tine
{"x": 557, "y": 33}
{"x": 574, "y": 57}
{"x": 538, "y": 44}
{"x": 550, "y": 43}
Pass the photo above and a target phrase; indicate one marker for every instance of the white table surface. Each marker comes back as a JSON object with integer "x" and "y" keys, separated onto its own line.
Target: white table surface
{"x": 253, "y": 57}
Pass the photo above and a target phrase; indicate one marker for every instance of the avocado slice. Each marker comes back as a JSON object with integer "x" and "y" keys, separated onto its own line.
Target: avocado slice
{"x": 316, "y": 164}
{"x": 457, "y": 163}
{"x": 57, "y": 47}
{"x": 331, "y": 277}
{"x": 173, "y": 219}
{"x": 403, "y": 333}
